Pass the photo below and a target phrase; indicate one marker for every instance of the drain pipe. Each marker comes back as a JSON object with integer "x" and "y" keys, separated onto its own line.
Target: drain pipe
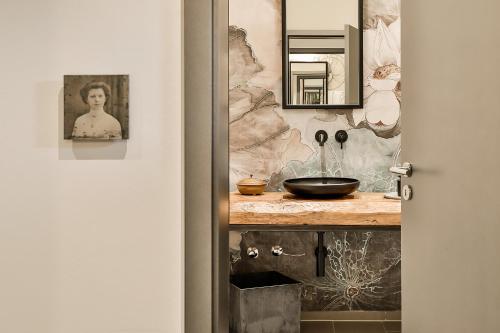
{"x": 321, "y": 252}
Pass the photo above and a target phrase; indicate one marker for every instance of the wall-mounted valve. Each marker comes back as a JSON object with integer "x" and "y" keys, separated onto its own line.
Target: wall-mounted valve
{"x": 341, "y": 137}
{"x": 276, "y": 250}
{"x": 253, "y": 252}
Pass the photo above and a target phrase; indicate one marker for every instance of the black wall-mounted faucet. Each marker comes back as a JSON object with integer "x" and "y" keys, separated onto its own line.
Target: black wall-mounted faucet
{"x": 321, "y": 136}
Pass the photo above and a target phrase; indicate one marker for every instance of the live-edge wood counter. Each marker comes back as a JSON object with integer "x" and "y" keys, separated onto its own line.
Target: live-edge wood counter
{"x": 284, "y": 211}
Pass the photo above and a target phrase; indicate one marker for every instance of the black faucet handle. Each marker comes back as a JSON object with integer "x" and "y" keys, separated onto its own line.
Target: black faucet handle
{"x": 341, "y": 137}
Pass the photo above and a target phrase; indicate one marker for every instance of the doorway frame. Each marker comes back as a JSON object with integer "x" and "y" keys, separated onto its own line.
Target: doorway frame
{"x": 206, "y": 165}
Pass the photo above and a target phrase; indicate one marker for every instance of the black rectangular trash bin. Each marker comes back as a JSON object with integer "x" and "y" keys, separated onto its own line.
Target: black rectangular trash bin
{"x": 264, "y": 302}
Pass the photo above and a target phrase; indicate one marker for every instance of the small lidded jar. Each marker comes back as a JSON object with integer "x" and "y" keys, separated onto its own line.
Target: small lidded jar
{"x": 251, "y": 186}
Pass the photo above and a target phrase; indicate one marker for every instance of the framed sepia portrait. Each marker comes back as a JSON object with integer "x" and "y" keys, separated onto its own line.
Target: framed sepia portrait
{"x": 96, "y": 107}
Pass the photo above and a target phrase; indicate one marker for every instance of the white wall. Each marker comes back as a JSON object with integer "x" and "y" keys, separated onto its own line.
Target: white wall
{"x": 90, "y": 234}
{"x": 321, "y": 14}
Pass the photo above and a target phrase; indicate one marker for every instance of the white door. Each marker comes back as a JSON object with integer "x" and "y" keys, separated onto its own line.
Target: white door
{"x": 451, "y": 119}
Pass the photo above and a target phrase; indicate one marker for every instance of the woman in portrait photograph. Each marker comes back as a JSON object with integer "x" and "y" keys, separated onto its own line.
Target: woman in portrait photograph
{"x": 96, "y": 123}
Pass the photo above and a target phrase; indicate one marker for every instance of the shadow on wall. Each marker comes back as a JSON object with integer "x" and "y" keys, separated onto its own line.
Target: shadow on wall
{"x": 87, "y": 150}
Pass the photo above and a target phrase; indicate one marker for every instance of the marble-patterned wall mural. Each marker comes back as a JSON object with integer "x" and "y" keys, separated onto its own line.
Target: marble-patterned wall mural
{"x": 275, "y": 144}
{"x": 363, "y": 268}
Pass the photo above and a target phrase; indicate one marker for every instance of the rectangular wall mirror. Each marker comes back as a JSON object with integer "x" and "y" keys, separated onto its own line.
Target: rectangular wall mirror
{"x": 322, "y": 54}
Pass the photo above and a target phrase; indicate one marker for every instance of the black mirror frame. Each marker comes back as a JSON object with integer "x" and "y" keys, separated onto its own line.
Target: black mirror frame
{"x": 285, "y": 65}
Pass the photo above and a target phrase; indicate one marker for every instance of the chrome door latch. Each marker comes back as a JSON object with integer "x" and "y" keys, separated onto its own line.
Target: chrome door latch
{"x": 407, "y": 192}
{"x": 405, "y": 169}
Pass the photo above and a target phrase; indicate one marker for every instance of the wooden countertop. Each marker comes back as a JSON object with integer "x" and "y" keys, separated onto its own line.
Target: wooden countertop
{"x": 282, "y": 208}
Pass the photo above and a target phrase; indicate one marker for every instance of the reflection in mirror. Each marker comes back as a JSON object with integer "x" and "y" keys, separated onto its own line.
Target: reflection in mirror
{"x": 322, "y": 54}
{"x": 308, "y": 82}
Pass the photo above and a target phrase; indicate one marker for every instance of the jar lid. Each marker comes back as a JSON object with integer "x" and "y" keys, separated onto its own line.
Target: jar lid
{"x": 251, "y": 181}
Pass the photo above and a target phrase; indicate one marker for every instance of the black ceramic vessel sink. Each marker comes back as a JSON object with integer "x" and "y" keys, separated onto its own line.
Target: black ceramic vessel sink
{"x": 321, "y": 187}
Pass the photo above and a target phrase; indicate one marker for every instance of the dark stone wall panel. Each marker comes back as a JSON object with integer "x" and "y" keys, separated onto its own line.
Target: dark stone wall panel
{"x": 363, "y": 268}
